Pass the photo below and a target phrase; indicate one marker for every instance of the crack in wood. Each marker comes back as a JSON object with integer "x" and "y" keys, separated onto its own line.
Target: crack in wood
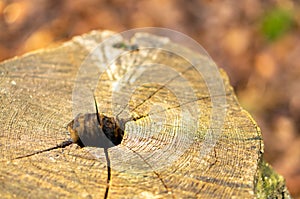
{"x": 169, "y": 191}
{"x": 61, "y": 145}
{"x": 177, "y": 106}
{"x": 209, "y": 167}
{"x": 156, "y": 91}
{"x": 108, "y": 172}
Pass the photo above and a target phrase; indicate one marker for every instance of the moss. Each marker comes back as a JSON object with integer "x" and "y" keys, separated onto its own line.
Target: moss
{"x": 276, "y": 22}
{"x": 269, "y": 184}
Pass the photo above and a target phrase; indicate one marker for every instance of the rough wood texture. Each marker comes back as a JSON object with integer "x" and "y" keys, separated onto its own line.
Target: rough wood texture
{"x": 36, "y": 105}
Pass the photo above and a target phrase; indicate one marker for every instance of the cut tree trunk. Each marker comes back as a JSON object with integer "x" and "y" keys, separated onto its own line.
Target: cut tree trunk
{"x": 37, "y": 91}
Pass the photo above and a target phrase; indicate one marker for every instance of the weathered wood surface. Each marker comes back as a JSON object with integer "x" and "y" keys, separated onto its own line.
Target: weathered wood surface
{"x": 36, "y": 105}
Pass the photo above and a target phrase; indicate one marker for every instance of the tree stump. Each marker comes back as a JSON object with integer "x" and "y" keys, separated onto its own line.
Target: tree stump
{"x": 36, "y": 105}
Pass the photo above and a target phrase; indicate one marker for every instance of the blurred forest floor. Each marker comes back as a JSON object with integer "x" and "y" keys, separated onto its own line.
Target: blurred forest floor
{"x": 256, "y": 42}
